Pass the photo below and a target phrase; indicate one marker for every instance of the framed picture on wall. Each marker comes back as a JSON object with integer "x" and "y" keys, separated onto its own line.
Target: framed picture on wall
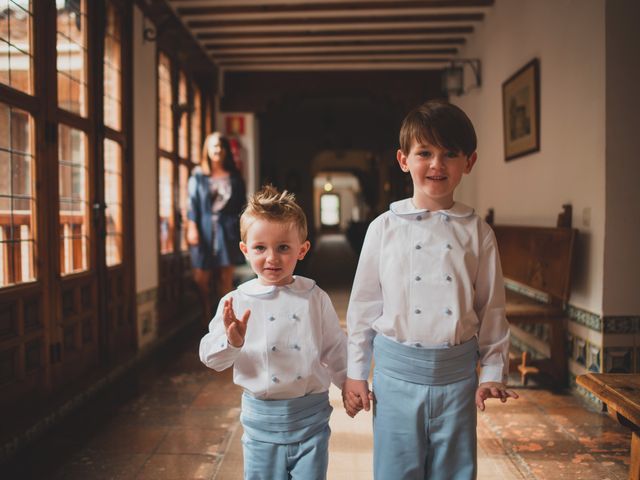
{"x": 521, "y": 111}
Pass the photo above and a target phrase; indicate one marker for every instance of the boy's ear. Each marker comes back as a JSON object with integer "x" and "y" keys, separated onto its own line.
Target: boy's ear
{"x": 244, "y": 249}
{"x": 402, "y": 160}
{"x": 471, "y": 161}
{"x": 304, "y": 248}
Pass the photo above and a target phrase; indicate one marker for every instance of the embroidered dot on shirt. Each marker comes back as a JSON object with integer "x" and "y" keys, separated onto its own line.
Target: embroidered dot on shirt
{"x": 448, "y": 278}
{"x": 417, "y": 311}
{"x": 448, "y": 311}
{"x": 296, "y": 346}
{"x": 299, "y": 377}
{"x": 295, "y": 317}
{"x": 274, "y": 348}
{"x": 418, "y": 247}
{"x": 272, "y": 318}
{"x": 418, "y": 278}
{"x": 419, "y": 217}
{"x": 449, "y": 247}
{"x": 275, "y": 379}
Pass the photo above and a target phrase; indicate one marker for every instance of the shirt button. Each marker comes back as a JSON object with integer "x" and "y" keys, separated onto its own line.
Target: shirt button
{"x": 418, "y": 278}
{"x": 446, "y": 218}
{"x": 448, "y": 278}
{"x": 448, "y": 311}
{"x": 275, "y": 379}
{"x": 449, "y": 247}
{"x": 417, "y": 345}
{"x": 273, "y": 349}
{"x": 272, "y": 318}
{"x": 418, "y": 247}
{"x": 417, "y": 311}
{"x": 419, "y": 217}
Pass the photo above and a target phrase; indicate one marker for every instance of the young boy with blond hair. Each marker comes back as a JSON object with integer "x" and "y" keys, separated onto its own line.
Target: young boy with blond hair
{"x": 286, "y": 348}
{"x": 427, "y": 303}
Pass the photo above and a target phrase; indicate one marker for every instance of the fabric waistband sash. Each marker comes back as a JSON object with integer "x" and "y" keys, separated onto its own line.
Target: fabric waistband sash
{"x": 426, "y": 366}
{"x": 285, "y": 421}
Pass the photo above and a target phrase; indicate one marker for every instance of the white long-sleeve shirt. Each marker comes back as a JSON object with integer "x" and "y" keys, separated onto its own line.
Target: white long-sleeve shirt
{"x": 430, "y": 279}
{"x": 294, "y": 345}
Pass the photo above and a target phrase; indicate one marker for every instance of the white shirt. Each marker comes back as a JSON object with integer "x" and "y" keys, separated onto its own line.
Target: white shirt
{"x": 430, "y": 279}
{"x": 294, "y": 345}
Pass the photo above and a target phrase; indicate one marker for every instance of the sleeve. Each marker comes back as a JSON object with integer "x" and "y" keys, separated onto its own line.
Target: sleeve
{"x": 489, "y": 304}
{"x": 193, "y": 212}
{"x": 365, "y": 305}
{"x": 215, "y": 350}
{"x": 334, "y": 343}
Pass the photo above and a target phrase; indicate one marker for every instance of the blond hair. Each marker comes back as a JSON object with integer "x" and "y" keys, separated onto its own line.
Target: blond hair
{"x": 274, "y": 206}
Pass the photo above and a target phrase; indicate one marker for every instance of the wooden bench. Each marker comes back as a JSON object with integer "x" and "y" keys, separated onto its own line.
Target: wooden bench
{"x": 537, "y": 263}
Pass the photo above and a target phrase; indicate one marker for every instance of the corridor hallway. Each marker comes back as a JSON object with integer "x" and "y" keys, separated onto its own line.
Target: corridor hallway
{"x": 171, "y": 418}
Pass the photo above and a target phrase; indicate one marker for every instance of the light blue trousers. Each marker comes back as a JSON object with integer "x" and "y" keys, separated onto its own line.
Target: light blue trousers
{"x": 424, "y": 417}
{"x": 305, "y": 460}
{"x": 286, "y": 439}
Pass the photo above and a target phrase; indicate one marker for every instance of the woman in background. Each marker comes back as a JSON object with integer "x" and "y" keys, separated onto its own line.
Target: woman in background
{"x": 217, "y": 195}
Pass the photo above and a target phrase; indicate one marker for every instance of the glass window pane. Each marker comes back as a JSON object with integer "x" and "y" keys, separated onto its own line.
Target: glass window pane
{"x": 112, "y": 69}
{"x": 16, "y": 25}
{"x": 71, "y": 55}
{"x": 165, "y": 101}
{"x": 196, "y": 127}
{"x": 74, "y": 205}
{"x": 17, "y": 197}
{"x": 113, "y": 200}
{"x": 184, "y": 204}
{"x": 165, "y": 195}
{"x": 183, "y": 141}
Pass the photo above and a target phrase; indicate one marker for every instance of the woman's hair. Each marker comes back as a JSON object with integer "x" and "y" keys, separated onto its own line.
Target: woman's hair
{"x": 274, "y": 206}
{"x": 441, "y": 124}
{"x": 228, "y": 162}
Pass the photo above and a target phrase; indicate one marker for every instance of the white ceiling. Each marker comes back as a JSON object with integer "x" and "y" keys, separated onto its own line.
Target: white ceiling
{"x": 280, "y": 35}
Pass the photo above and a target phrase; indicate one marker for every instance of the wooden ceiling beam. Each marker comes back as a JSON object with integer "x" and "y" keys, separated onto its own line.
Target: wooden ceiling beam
{"x": 311, "y": 6}
{"x": 372, "y": 41}
{"x": 348, "y": 51}
{"x": 299, "y": 22}
{"x": 215, "y": 35}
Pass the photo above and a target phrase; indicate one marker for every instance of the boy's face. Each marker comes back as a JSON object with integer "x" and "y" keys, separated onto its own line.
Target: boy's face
{"x": 273, "y": 249}
{"x": 436, "y": 172}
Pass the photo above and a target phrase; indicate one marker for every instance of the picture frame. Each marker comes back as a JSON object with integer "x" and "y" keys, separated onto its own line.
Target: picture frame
{"x": 521, "y": 111}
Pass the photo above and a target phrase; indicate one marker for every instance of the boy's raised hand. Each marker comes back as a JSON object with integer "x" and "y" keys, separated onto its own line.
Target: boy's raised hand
{"x": 236, "y": 329}
{"x": 488, "y": 390}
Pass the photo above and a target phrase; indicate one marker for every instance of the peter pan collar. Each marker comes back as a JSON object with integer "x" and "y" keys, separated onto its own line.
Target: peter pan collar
{"x": 407, "y": 208}
{"x": 255, "y": 289}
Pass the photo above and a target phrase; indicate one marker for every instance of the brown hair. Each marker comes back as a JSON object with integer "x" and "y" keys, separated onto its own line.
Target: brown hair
{"x": 441, "y": 124}
{"x": 228, "y": 163}
{"x": 272, "y": 205}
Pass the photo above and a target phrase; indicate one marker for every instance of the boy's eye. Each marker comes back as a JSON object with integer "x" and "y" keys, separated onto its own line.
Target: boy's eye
{"x": 425, "y": 153}
{"x": 283, "y": 248}
{"x": 259, "y": 248}
{"x": 452, "y": 154}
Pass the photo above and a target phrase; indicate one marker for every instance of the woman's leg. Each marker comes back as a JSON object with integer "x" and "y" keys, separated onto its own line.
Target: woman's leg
{"x": 225, "y": 280}
{"x": 202, "y": 279}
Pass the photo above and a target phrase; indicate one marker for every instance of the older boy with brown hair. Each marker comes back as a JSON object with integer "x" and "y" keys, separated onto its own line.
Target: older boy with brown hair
{"x": 286, "y": 356}
{"x": 428, "y": 302}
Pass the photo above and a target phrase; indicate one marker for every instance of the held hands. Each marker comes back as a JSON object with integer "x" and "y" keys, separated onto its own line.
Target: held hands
{"x": 356, "y": 396}
{"x": 488, "y": 390}
{"x": 236, "y": 329}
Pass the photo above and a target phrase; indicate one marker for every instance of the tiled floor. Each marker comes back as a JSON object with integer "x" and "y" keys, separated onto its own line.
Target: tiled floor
{"x": 172, "y": 418}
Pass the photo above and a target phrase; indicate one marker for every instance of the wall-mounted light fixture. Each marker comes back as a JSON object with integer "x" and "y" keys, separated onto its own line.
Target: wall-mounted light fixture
{"x": 453, "y": 76}
{"x": 328, "y": 186}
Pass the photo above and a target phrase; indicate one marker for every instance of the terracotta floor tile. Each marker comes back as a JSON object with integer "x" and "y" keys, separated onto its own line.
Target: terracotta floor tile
{"x": 174, "y": 467}
{"x": 194, "y": 441}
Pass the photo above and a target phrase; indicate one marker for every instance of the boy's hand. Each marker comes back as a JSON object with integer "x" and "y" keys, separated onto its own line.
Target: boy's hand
{"x": 236, "y": 329}
{"x": 356, "y": 396}
{"x": 492, "y": 390}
